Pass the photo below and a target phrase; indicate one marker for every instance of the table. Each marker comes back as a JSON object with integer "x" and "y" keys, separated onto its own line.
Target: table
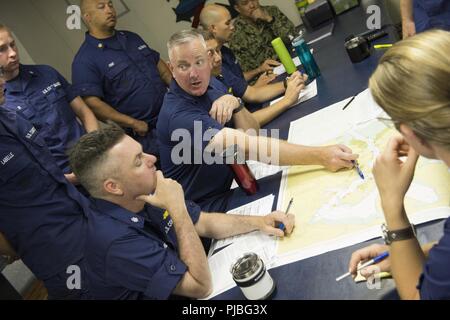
{"x": 314, "y": 278}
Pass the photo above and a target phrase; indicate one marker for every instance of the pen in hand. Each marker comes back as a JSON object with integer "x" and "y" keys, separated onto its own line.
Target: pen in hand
{"x": 366, "y": 264}
{"x": 358, "y": 169}
{"x": 281, "y": 225}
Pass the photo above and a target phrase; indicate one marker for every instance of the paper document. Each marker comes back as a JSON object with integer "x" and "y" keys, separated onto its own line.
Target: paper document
{"x": 309, "y": 92}
{"x": 260, "y": 170}
{"x": 335, "y": 210}
{"x": 260, "y": 207}
{"x": 265, "y": 246}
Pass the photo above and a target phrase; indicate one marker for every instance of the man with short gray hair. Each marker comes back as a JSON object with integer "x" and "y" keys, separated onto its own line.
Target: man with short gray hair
{"x": 207, "y": 124}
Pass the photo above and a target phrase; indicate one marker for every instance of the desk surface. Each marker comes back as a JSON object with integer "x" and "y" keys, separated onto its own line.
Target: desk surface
{"x": 314, "y": 278}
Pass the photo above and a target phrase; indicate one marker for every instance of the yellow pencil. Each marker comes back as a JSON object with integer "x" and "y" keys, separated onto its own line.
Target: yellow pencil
{"x": 382, "y": 46}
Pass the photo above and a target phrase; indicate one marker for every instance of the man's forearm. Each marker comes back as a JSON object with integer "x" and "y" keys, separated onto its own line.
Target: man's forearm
{"x": 85, "y": 114}
{"x": 190, "y": 247}
{"x": 263, "y": 94}
{"x": 267, "y": 114}
{"x": 104, "y": 112}
{"x": 244, "y": 120}
{"x": 406, "y": 9}
{"x": 268, "y": 150}
{"x": 221, "y": 225}
{"x": 282, "y": 152}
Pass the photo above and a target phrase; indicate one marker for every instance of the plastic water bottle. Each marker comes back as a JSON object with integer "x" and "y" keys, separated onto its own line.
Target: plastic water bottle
{"x": 283, "y": 54}
{"x": 307, "y": 59}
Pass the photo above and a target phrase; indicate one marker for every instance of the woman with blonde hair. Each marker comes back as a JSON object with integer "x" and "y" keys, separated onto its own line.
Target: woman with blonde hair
{"x": 412, "y": 84}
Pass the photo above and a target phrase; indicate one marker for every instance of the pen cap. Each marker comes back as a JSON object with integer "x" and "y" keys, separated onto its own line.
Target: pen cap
{"x": 284, "y": 55}
{"x": 250, "y": 274}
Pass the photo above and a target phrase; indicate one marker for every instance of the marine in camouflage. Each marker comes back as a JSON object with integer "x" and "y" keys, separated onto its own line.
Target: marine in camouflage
{"x": 251, "y": 42}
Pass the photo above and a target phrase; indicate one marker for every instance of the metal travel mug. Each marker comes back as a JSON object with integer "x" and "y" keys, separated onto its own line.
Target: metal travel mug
{"x": 250, "y": 274}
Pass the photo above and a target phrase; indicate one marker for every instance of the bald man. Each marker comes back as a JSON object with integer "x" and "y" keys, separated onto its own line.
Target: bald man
{"x": 118, "y": 75}
{"x": 251, "y": 94}
{"x": 217, "y": 20}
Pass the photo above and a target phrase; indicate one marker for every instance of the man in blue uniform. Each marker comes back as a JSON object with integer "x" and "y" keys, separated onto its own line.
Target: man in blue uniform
{"x": 193, "y": 123}
{"x": 119, "y": 76}
{"x": 42, "y": 216}
{"x": 217, "y": 20}
{"x": 421, "y": 15}
{"x": 42, "y": 96}
{"x": 6, "y": 250}
{"x": 143, "y": 246}
{"x": 239, "y": 88}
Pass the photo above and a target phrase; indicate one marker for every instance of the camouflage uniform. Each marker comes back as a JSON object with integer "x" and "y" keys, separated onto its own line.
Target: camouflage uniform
{"x": 252, "y": 43}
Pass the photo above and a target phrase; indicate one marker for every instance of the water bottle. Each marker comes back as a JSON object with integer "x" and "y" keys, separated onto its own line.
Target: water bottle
{"x": 242, "y": 173}
{"x": 283, "y": 54}
{"x": 307, "y": 59}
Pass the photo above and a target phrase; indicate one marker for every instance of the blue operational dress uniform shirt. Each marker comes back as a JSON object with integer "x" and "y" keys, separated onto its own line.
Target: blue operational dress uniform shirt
{"x": 435, "y": 280}
{"x": 122, "y": 71}
{"x": 185, "y": 129}
{"x": 230, "y": 61}
{"x": 42, "y": 96}
{"x": 41, "y": 214}
{"x": 133, "y": 256}
{"x": 430, "y": 14}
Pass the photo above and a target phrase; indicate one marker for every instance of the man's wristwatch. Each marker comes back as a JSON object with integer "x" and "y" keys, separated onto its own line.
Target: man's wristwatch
{"x": 241, "y": 106}
{"x": 397, "y": 235}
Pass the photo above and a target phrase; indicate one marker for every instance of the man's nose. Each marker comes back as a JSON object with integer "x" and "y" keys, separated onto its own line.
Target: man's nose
{"x": 12, "y": 52}
{"x": 194, "y": 73}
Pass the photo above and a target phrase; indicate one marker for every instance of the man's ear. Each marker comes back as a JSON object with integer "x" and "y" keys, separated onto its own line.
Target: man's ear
{"x": 85, "y": 16}
{"x": 212, "y": 28}
{"x": 112, "y": 187}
